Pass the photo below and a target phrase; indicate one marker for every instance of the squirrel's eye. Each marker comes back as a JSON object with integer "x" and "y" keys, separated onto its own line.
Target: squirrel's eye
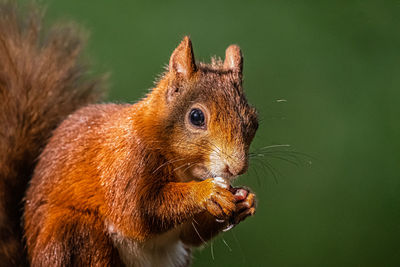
{"x": 196, "y": 117}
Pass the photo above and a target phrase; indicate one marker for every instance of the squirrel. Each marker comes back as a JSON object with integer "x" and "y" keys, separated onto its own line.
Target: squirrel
{"x": 115, "y": 184}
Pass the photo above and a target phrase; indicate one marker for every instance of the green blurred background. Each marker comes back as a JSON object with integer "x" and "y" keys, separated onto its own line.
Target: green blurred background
{"x": 336, "y": 65}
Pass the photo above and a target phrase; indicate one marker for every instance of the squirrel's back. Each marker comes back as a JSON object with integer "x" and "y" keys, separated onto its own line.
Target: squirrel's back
{"x": 41, "y": 81}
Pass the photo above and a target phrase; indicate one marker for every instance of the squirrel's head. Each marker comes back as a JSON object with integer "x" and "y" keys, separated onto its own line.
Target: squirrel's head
{"x": 207, "y": 123}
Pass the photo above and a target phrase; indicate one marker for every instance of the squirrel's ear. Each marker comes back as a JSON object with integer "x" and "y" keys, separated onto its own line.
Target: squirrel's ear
{"x": 182, "y": 59}
{"x": 233, "y": 59}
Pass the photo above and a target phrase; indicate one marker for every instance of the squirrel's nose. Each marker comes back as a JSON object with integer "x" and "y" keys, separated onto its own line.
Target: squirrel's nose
{"x": 236, "y": 168}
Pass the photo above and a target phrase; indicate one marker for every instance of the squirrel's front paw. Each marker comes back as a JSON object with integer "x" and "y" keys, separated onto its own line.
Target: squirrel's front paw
{"x": 221, "y": 202}
{"x": 245, "y": 204}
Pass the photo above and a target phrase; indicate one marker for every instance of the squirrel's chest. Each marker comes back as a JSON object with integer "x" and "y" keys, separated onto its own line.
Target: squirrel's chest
{"x": 165, "y": 250}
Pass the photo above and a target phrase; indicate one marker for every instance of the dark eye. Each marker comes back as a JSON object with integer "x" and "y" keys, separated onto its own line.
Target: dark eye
{"x": 196, "y": 117}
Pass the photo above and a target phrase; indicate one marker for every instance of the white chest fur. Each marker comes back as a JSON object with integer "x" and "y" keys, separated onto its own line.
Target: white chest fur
{"x": 165, "y": 250}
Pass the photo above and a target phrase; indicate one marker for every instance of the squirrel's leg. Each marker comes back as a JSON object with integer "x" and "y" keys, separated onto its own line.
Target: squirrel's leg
{"x": 175, "y": 203}
{"x": 73, "y": 238}
{"x": 204, "y": 226}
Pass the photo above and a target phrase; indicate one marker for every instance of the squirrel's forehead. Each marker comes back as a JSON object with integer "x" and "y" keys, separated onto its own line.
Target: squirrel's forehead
{"x": 215, "y": 88}
{"x": 219, "y": 78}
{"x": 220, "y": 91}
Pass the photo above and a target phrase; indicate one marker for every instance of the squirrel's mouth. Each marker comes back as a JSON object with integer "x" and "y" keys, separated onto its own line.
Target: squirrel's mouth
{"x": 201, "y": 172}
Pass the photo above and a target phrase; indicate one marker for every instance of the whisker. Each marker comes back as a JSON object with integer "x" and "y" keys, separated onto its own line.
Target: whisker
{"x": 197, "y": 232}
{"x": 229, "y": 248}
{"x": 270, "y": 169}
{"x": 190, "y": 165}
{"x": 285, "y": 159}
{"x": 181, "y": 166}
{"x": 212, "y": 250}
{"x": 274, "y": 146}
{"x": 202, "y": 147}
{"x": 167, "y": 162}
{"x": 288, "y": 152}
{"x": 219, "y": 149}
{"x": 244, "y": 260}
{"x": 275, "y": 151}
{"x": 258, "y": 178}
{"x": 296, "y": 157}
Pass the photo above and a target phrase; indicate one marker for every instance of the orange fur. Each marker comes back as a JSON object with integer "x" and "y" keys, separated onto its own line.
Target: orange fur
{"x": 113, "y": 175}
{"x": 117, "y": 169}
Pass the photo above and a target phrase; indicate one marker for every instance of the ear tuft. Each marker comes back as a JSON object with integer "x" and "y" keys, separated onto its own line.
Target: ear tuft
{"x": 182, "y": 59}
{"x": 233, "y": 59}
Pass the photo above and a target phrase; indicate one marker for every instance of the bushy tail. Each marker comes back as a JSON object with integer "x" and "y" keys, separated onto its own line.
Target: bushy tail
{"x": 42, "y": 80}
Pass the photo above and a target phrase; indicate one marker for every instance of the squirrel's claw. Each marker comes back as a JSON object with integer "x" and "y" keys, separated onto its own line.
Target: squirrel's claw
{"x": 245, "y": 207}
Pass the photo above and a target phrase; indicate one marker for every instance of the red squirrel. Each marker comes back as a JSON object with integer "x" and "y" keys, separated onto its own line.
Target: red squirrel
{"x": 119, "y": 184}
